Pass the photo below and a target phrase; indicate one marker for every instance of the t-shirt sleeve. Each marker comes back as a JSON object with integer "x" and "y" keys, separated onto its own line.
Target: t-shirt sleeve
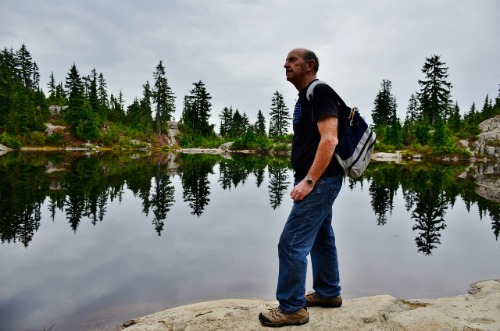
{"x": 324, "y": 102}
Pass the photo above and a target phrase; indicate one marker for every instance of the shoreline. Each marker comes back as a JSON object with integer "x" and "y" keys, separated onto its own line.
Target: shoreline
{"x": 478, "y": 309}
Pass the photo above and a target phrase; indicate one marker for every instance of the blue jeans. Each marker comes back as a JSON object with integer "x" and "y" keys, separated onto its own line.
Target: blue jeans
{"x": 309, "y": 230}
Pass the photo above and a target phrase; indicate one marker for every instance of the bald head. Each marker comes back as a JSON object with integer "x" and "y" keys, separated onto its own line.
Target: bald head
{"x": 301, "y": 67}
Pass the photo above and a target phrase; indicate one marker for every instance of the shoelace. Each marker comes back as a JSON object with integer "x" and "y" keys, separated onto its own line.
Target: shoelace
{"x": 275, "y": 313}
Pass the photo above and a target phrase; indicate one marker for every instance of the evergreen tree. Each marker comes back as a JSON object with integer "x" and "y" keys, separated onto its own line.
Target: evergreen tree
{"x": 24, "y": 66}
{"x": 7, "y": 80}
{"x": 497, "y": 100}
{"x": 197, "y": 109}
{"x": 487, "y": 111}
{"x": 79, "y": 113}
{"x": 52, "y": 88}
{"x": 454, "y": 122}
{"x": 385, "y": 105}
{"x": 394, "y": 132}
{"x": 260, "y": 125}
{"x": 238, "y": 125}
{"x": 116, "y": 111}
{"x": 93, "y": 97}
{"x": 439, "y": 138}
{"x": 164, "y": 98}
{"x": 279, "y": 116}
{"x": 226, "y": 121}
{"x": 412, "y": 112}
{"x": 60, "y": 94}
{"x": 35, "y": 78}
{"x": 74, "y": 85}
{"x": 435, "y": 92}
{"x": 102, "y": 97}
{"x": 146, "y": 111}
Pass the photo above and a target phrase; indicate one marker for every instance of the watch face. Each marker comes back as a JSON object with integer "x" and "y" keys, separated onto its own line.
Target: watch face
{"x": 309, "y": 181}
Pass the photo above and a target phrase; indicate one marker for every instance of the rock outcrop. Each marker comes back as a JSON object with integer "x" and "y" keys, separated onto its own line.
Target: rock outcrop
{"x": 488, "y": 142}
{"x": 4, "y": 149}
{"x": 479, "y": 309}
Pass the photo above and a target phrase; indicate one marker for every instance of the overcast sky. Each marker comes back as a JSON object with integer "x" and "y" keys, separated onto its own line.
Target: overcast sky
{"x": 237, "y": 48}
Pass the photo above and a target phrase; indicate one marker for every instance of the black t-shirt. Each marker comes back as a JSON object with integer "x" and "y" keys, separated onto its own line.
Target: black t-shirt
{"x": 306, "y": 135}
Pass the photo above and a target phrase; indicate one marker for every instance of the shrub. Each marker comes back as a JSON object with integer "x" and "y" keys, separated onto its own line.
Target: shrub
{"x": 55, "y": 139}
{"x": 10, "y": 141}
{"x": 34, "y": 138}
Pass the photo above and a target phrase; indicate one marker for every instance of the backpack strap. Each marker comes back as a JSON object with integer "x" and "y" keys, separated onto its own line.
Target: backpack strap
{"x": 344, "y": 110}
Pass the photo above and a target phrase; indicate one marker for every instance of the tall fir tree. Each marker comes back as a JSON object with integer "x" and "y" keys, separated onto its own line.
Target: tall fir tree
{"x": 52, "y": 87}
{"x": 102, "y": 97}
{"x": 93, "y": 97}
{"x": 24, "y": 66}
{"x": 260, "y": 125}
{"x": 279, "y": 116}
{"x": 385, "y": 105}
{"x": 164, "y": 98}
{"x": 413, "y": 110}
{"x": 79, "y": 114}
{"x": 75, "y": 90}
{"x": 454, "y": 123}
{"x": 435, "y": 91}
{"x": 197, "y": 108}
{"x": 226, "y": 121}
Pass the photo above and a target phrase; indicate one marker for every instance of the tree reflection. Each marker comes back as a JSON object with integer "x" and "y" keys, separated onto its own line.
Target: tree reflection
{"x": 80, "y": 187}
{"x": 278, "y": 182}
{"x": 429, "y": 217}
{"x": 195, "y": 183}
{"x": 162, "y": 198}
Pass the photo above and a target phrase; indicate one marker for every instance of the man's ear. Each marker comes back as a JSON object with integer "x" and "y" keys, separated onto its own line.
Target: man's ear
{"x": 310, "y": 65}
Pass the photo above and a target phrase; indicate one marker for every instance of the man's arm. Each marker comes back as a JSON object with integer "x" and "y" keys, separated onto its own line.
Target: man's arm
{"x": 329, "y": 139}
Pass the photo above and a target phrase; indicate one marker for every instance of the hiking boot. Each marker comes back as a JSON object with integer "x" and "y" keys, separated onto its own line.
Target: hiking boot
{"x": 312, "y": 300}
{"x": 275, "y": 317}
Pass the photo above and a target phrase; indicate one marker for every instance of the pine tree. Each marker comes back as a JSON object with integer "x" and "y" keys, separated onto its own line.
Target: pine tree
{"x": 260, "y": 125}
{"x": 487, "y": 111}
{"x": 239, "y": 124}
{"x": 164, "y": 98}
{"x": 439, "y": 138}
{"x": 279, "y": 116}
{"x": 226, "y": 121}
{"x": 35, "y": 77}
{"x": 435, "y": 92}
{"x": 102, "y": 97}
{"x": 93, "y": 98}
{"x": 454, "y": 122}
{"x": 52, "y": 88}
{"x": 385, "y": 105}
{"x": 146, "y": 112}
{"x": 197, "y": 107}
{"x": 60, "y": 94}
{"x": 74, "y": 85}
{"x": 412, "y": 112}
{"x": 7, "y": 79}
{"x": 79, "y": 113}
{"x": 24, "y": 66}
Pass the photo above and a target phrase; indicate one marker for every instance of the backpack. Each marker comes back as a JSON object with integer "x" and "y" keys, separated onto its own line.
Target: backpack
{"x": 356, "y": 138}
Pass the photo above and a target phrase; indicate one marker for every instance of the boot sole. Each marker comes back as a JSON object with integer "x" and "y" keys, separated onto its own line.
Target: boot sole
{"x": 267, "y": 322}
{"x": 323, "y": 305}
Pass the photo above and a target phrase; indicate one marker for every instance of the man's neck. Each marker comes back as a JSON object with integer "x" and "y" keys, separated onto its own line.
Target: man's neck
{"x": 305, "y": 82}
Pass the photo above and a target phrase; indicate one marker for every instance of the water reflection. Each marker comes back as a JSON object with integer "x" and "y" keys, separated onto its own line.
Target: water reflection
{"x": 80, "y": 186}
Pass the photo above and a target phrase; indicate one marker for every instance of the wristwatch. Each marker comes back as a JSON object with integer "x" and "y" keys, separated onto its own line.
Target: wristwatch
{"x": 310, "y": 182}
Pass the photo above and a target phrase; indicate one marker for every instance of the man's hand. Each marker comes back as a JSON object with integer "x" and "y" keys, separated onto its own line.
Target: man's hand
{"x": 300, "y": 191}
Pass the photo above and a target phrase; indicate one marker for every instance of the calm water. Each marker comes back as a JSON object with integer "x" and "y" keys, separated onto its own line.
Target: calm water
{"x": 89, "y": 242}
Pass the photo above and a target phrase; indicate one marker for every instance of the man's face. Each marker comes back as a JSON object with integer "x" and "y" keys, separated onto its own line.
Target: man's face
{"x": 295, "y": 66}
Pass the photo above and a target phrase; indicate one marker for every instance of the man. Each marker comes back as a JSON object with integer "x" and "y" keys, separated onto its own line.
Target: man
{"x": 318, "y": 179}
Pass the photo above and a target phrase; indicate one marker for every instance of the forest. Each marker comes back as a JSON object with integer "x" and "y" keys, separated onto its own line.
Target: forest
{"x": 86, "y": 113}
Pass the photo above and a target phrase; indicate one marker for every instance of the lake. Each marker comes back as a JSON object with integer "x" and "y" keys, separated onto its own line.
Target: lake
{"x": 91, "y": 241}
